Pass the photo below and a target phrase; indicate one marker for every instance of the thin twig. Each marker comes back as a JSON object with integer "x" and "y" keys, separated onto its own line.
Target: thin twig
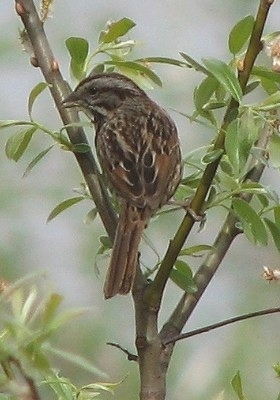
{"x": 217, "y": 325}
{"x": 130, "y": 356}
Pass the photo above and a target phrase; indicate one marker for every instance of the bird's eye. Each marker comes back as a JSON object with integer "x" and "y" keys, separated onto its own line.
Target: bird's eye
{"x": 93, "y": 91}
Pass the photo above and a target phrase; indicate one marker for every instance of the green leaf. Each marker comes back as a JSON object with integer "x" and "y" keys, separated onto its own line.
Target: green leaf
{"x": 204, "y": 92}
{"x": 182, "y": 276}
{"x": 276, "y": 212}
{"x": 274, "y": 150}
{"x": 17, "y": 143}
{"x": 240, "y": 33}
{"x": 275, "y": 232}
{"x": 117, "y": 29}
{"x": 79, "y": 361}
{"x": 191, "y": 251}
{"x": 38, "y": 89}
{"x": 226, "y": 77}
{"x": 212, "y": 156}
{"x": 90, "y": 216}
{"x": 80, "y": 148}
{"x": 266, "y": 73}
{"x": 232, "y": 145}
{"x": 63, "y": 206}
{"x": 270, "y": 103}
{"x": 236, "y": 384}
{"x": 162, "y": 60}
{"x": 194, "y": 64}
{"x": 35, "y": 161}
{"x": 51, "y": 308}
{"x": 252, "y": 224}
{"x": 135, "y": 68}
{"x": 78, "y": 49}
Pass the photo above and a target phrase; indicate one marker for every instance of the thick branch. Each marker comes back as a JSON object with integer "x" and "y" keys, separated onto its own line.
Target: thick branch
{"x": 59, "y": 90}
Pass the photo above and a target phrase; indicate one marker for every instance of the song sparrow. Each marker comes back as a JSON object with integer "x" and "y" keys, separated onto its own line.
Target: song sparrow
{"x": 138, "y": 149}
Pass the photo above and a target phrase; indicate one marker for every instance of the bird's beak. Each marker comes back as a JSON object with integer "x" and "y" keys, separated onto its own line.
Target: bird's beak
{"x": 71, "y": 101}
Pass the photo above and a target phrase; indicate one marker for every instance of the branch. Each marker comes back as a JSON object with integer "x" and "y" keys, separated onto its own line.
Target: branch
{"x": 217, "y": 325}
{"x": 130, "y": 356}
{"x": 44, "y": 58}
{"x": 156, "y": 289}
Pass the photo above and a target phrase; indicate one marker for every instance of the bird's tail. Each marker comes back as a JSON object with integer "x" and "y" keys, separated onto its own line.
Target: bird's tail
{"x": 122, "y": 269}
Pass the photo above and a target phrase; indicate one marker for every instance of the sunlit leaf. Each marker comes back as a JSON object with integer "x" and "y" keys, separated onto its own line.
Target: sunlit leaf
{"x": 35, "y": 92}
{"x": 117, "y": 29}
{"x": 18, "y": 142}
{"x": 63, "y": 206}
{"x": 240, "y": 33}
{"x": 226, "y": 77}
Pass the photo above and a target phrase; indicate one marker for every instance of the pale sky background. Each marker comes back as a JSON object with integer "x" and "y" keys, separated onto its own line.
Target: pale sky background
{"x": 65, "y": 249}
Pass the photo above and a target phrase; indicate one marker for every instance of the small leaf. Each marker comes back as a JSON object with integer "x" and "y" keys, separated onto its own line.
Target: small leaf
{"x": 252, "y": 224}
{"x": 240, "y": 33}
{"x": 161, "y": 60}
{"x": 232, "y": 145}
{"x": 34, "y": 94}
{"x": 204, "y": 92}
{"x": 17, "y": 143}
{"x": 78, "y": 49}
{"x": 51, "y": 308}
{"x": 63, "y": 206}
{"x": 80, "y": 148}
{"x": 182, "y": 276}
{"x": 117, "y": 29}
{"x": 212, "y": 156}
{"x": 91, "y": 215}
{"x": 35, "y": 161}
{"x": 270, "y": 103}
{"x": 236, "y": 384}
{"x": 79, "y": 361}
{"x": 266, "y": 73}
{"x": 190, "y": 251}
{"x": 106, "y": 242}
{"x": 226, "y": 77}
{"x": 194, "y": 64}
{"x": 134, "y": 67}
{"x": 274, "y": 150}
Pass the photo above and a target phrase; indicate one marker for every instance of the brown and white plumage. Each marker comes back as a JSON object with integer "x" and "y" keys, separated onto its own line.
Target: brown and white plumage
{"x": 138, "y": 149}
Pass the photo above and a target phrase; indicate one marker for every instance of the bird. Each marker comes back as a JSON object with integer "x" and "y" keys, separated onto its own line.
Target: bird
{"x": 139, "y": 153}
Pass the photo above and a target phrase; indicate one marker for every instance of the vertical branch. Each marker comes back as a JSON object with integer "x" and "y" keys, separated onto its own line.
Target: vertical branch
{"x": 44, "y": 58}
